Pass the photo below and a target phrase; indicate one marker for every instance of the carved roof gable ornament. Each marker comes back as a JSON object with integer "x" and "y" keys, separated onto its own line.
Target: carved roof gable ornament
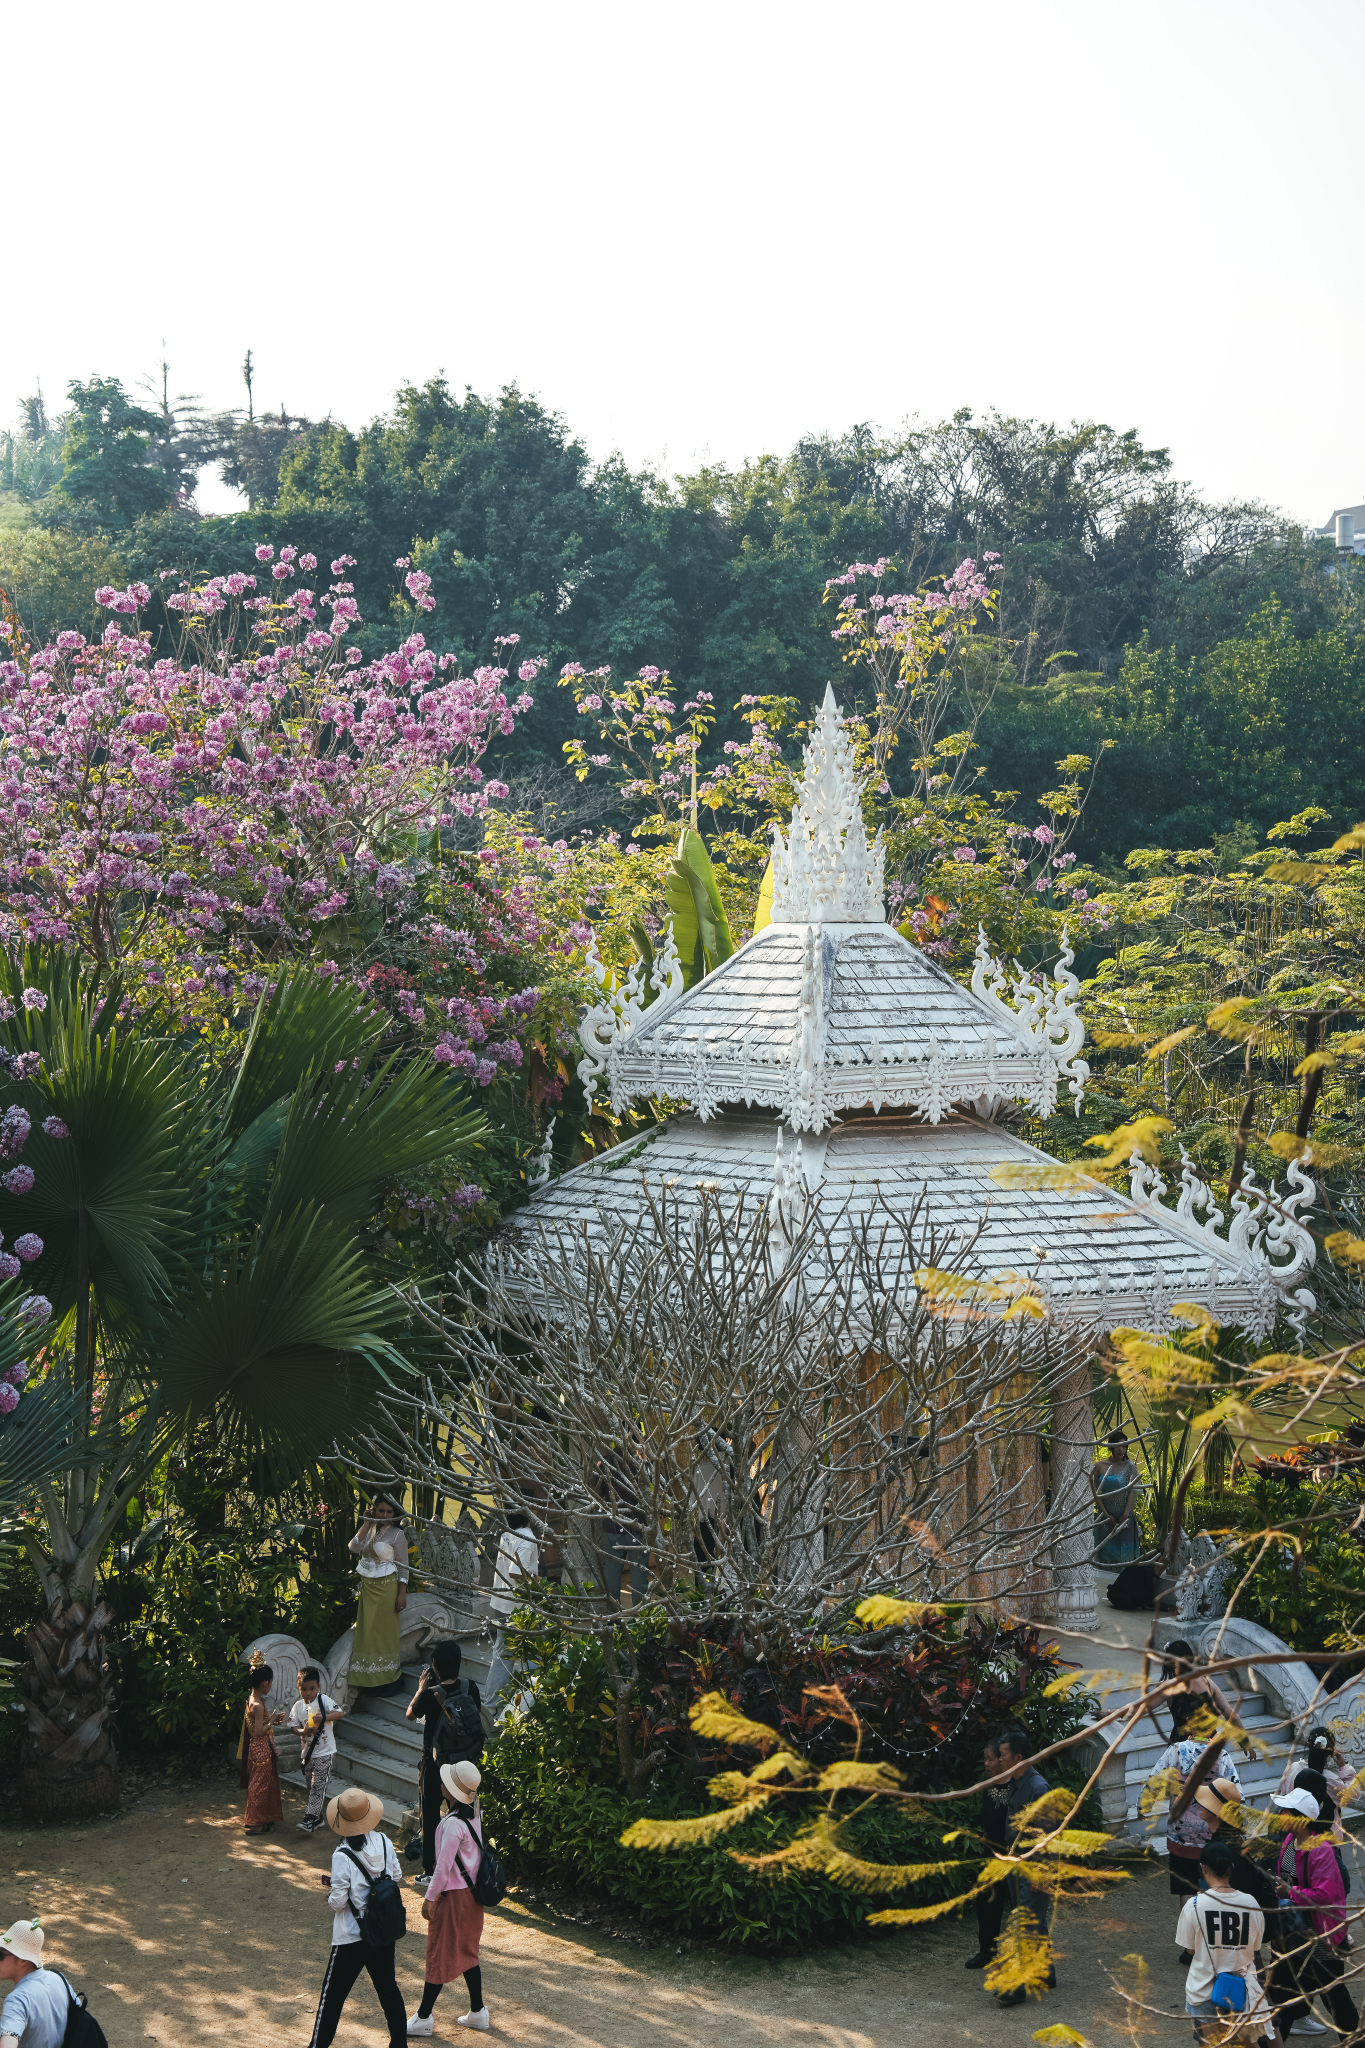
{"x": 824, "y": 871}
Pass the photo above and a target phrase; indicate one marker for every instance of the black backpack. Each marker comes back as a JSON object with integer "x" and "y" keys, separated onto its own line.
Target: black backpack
{"x": 83, "y": 2030}
{"x": 490, "y": 1883}
{"x": 385, "y": 1918}
{"x": 1134, "y": 1588}
{"x": 457, "y": 1737}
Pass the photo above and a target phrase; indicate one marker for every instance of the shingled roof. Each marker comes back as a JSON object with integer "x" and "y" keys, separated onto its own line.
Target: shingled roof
{"x": 1097, "y": 1257}
{"x": 828, "y": 1007}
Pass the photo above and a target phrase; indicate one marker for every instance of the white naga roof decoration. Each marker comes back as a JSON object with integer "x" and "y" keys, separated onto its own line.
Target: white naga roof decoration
{"x": 829, "y": 1008}
{"x": 1098, "y": 1258}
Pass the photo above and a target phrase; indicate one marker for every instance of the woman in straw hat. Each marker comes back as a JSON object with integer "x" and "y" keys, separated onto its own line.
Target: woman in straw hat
{"x": 37, "y": 2002}
{"x": 454, "y": 1917}
{"x": 363, "y": 1857}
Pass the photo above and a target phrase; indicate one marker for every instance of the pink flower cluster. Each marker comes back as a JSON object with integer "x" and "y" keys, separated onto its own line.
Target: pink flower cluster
{"x": 227, "y": 797}
{"x": 901, "y": 615}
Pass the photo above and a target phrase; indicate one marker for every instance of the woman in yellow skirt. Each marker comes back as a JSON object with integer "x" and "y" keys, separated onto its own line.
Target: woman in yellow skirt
{"x": 382, "y": 1550}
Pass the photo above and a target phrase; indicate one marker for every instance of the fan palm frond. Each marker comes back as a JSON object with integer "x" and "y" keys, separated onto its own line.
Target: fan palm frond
{"x": 284, "y": 1337}
{"x": 36, "y": 1440}
{"x": 303, "y": 1026}
{"x": 104, "y": 1198}
{"x": 342, "y": 1141}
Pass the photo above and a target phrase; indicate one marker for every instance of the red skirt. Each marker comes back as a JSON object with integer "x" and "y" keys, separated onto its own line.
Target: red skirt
{"x": 453, "y": 1934}
{"x": 263, "y": 1806}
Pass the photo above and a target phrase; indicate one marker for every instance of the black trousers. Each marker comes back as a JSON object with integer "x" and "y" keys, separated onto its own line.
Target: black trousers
{"x": 347, "y": 1961}
{"x": 1316, "y": 1971}
{"x": 430, "y": 1793}
{"x": 990, "y": 1912}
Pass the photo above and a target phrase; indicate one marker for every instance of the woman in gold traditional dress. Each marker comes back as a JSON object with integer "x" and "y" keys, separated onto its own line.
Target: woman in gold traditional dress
{"x": 258, "y": 1765}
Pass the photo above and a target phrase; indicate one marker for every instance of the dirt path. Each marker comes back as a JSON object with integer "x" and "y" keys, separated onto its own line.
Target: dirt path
{"x": 182, "y": 1929}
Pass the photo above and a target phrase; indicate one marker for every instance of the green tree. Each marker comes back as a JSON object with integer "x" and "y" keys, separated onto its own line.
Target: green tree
{"x": 49, "y": 578}
{"x": 31, "y": 460}
{"x": 207, "y": 1252}
{"x": 107, "y": 480}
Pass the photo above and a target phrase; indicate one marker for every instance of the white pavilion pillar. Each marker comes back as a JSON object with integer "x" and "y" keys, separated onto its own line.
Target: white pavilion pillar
{"x": 1071, "y": 1517}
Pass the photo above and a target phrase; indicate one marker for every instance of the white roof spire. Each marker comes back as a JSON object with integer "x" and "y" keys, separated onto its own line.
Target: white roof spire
{"x": 824, "y": 871}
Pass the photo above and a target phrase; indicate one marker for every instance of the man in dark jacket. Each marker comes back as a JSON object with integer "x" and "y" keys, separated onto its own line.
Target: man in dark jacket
{"x": 435, "y": 1703}
{"x": 990, "y": 1906}
{"x": 1026, "y": 1783}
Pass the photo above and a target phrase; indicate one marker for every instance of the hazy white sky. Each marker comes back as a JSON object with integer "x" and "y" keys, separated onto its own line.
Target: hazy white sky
{"x": 701, "y": 231}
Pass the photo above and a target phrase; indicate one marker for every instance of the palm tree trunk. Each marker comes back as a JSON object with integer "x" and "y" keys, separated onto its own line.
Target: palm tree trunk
{"x": 70, "y": 1766}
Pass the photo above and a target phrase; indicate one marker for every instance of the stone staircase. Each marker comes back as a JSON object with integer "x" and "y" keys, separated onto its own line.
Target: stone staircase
{"x": 380, "y": 1750}
{"x": 1141, "y": 1750}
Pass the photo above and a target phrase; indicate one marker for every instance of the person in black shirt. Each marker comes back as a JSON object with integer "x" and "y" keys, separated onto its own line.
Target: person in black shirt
{"x": 436, "y": 1693}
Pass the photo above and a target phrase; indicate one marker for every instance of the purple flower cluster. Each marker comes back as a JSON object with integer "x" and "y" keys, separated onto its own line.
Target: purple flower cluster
{"x": 466, "y": 1045}
{"x": 15, "y": 1126}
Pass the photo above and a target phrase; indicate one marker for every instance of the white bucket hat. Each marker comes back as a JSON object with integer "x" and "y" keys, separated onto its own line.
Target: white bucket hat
{"x": 25, "y": 1940}
{"x": 1296, "y": 1802}
{"x": 461, "y": 1781}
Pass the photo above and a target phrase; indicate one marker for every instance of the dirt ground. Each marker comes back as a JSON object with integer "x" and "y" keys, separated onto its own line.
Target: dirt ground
{"x": 182, "y": 1929}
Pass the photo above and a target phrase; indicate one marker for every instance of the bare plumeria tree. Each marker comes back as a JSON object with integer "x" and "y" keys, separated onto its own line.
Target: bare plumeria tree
{"x": 746, "y": 1409}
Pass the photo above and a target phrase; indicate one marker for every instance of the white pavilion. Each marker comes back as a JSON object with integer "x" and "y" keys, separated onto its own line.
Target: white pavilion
{"x": 830, "y": 1053}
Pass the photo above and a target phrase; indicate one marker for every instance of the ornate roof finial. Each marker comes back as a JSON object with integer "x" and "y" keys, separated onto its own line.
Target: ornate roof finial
{"x": 824, "y": 871}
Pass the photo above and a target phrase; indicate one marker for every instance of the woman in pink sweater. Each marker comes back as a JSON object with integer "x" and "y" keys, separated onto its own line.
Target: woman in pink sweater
{"x": 1310, "y": 1881}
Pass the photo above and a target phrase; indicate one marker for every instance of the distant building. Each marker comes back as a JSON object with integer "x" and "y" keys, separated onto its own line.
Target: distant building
{"x": 1347, "y": 528}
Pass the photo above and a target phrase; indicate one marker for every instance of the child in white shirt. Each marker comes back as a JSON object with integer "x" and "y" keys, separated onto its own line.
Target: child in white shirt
{"x": 315, "y": 1716}
{"x": 1223, "y": 1929}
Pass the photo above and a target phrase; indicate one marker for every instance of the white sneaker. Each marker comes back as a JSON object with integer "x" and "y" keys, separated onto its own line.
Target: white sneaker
{"x": 1306, "y": 2024}
{"x": 424, "y": 2027}
{"x": 477, "y": 2020}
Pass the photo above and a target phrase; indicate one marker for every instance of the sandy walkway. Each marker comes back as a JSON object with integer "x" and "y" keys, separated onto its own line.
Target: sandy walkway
{"x": 181, "y": 1929}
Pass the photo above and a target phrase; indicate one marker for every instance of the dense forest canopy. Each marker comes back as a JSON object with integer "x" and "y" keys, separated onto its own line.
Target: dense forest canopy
{"x": 1214, "y": 646}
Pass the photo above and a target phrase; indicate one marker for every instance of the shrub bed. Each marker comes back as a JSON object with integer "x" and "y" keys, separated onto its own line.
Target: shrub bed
{"x": 555, "y": 1799}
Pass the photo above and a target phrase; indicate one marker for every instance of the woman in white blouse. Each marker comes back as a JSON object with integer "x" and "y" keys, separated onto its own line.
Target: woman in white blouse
{"x": 382, "y": 1549}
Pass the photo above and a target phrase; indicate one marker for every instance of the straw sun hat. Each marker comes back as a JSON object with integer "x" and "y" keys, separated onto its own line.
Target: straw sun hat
{"x": 461, "y": 1781}
{"x": 354, "y": 1812}
{"x": 25, "y": 1940}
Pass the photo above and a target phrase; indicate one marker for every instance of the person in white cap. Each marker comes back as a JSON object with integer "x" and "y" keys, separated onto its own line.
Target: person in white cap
{"x": 37, "y": 2001}
{"x": 363, "y": 1858}
{"x": 453, "y": 1915}
{"x": 1310, "y": 1882}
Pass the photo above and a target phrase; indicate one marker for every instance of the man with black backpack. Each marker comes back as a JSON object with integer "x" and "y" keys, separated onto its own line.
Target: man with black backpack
{"x": 450, "y": 1711}
{"x": 40, "y": 2009}
{"x": 369, "y": 1918}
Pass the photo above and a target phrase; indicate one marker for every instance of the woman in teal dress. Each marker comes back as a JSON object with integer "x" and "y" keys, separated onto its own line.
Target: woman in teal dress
{"x": 1115, "y": 1488}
